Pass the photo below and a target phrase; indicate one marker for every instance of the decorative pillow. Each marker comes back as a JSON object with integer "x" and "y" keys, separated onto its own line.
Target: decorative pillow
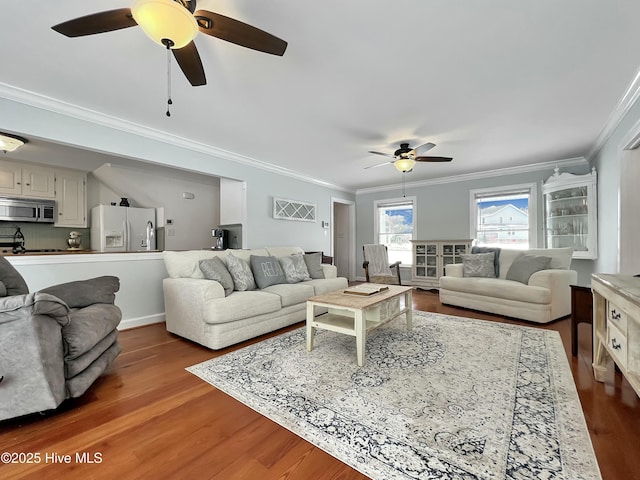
{"x": 295, "y": 268}
{"x": 526, "y": 265}
{"x": 496, "y": 256}
{"x": 215, "y": 269}
{"x": 240, "y": 273}
{"x": 478, "y": 265}
{"x": 266, "y": 271}
{"x": 3, "y": 290}
{"x": 314, "y": 264}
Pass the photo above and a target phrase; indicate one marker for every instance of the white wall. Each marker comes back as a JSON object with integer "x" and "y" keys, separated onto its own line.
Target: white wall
{"x": 140, "y": 297}
{"x": 262, "y": 184}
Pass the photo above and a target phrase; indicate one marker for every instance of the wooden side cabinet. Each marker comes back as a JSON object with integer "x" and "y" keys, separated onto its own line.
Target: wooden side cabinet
{"x": 581, "y": 312}
{"x": 430, "y": 257}
{"x": 616, "y": 326}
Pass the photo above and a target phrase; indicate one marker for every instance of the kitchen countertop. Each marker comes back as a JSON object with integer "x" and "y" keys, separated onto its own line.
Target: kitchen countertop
{"x": 9, "y": 253}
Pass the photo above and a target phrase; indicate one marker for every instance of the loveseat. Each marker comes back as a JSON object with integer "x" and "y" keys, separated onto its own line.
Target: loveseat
{"x": 203, "y": 306}
{"x": 535, "y": 289}
{"x": 54, "y": 343}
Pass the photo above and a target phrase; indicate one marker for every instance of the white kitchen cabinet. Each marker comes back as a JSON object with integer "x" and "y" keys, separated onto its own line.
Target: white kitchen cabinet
{"x": 430, "y": 258}
{"x": 571, "y": 214}
{"x": 18, "y": 180}
{"x": 71, "y": 199}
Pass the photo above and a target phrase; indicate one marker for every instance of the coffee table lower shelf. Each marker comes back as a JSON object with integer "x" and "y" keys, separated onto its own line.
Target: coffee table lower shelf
{"x": 353, "y": 318}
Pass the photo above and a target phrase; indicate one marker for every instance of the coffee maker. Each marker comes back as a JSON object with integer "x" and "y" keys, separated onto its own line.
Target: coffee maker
{"x": 220, "y": 239}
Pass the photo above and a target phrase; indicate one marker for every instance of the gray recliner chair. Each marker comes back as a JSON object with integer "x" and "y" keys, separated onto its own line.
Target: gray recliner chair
{"x": 53, "y": 343}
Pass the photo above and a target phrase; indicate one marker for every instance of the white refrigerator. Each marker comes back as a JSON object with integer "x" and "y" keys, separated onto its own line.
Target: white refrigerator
{"x": 123, "y": 229}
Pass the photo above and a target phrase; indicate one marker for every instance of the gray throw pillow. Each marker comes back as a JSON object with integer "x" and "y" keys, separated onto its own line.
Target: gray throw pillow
{"x": 266, "y": 271}
{"x": 3, "y": 290}
{"x": 478, "y": 265}
{"x": 240, "y": 273}
{"x": 295, "y": 268}
{"x": 496, "y": 256}
{"x": 526, "y": 265}
{"x": 215, "y": 269}
{"x": 314, "y": 264}
{"x": 13, "y": 281}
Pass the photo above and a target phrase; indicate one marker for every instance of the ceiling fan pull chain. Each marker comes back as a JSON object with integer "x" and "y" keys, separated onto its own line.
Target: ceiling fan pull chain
{"x": 169, "y": 101}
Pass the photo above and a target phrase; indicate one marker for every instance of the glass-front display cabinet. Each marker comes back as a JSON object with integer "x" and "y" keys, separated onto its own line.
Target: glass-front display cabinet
{"x": 571, "y": 216}
{"x": 430, "y": 257}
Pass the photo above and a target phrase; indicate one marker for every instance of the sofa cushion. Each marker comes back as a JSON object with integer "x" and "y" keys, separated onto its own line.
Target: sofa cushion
{"x": 526, "y": 265}
{"x": 291, "y": 294}
{"x": 326, "y": 285}
{"x": 241, "y": 273}
{"x": 314, "y": 264}
{"x": 295, "y": 268}
{"x": 266, "y": 271}
{"x": 215, "y": 269}
{"x": 478, "y": 265}
{"x": 240, "y": 305}
{"x": 280, "y": 252}
{"x": 496, "y": 256}
{"x": 497, "y": 288}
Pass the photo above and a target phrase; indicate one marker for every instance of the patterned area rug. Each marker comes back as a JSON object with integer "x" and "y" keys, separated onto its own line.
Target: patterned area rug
{"x": 456, "y": 398}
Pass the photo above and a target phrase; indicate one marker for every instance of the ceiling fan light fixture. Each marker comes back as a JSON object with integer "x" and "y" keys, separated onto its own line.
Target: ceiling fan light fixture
{"x": 9, "y": 143}
{"x": 404, "y": 164}
{"x": 165, "y": 20}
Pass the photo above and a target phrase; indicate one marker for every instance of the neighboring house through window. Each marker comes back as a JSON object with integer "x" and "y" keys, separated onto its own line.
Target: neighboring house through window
{"x": 490, "y": 209}
{"x": 395, "y": 226}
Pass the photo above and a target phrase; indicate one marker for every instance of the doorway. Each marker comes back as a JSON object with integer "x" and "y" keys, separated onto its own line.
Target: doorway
{"x": 343, "y": 237}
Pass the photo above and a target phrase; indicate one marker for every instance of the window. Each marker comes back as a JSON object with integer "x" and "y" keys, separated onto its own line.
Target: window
{"x": 490, "y": 209}
{"x": 394, "y": 227}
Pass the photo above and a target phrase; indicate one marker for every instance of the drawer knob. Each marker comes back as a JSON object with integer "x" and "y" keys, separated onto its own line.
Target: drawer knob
{"x": 615, "y": 315}
{"x": 615, "y": 345}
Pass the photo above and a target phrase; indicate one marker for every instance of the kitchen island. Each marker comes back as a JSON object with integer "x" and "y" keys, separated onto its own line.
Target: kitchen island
{"x": 141, "y": 273}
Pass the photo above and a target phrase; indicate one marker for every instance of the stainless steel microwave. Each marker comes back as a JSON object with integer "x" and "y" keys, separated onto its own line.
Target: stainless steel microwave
{"x": 27, "y": 210}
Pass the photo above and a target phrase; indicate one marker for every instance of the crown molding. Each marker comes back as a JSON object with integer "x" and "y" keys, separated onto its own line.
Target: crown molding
{"x": 53, "y": 105}
{"x": 534, "y": 167}
{"x": 623, "y": 106}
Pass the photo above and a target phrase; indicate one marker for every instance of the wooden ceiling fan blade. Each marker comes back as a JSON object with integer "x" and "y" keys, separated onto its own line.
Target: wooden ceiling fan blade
{"x": 97, "y": 23}
{"x": 380, "y": 164}
{"x": 189, "y": 60}
{"x": 239, "y": 33}
{"x": 383, "y": 154}
{"x": 433, "y": 159}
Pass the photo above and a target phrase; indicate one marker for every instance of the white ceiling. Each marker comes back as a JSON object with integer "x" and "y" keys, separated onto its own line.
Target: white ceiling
{"x": 494, "y": 83}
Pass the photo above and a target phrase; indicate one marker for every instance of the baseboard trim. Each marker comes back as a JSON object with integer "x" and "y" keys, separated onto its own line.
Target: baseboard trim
{"x": 141, "y": 321}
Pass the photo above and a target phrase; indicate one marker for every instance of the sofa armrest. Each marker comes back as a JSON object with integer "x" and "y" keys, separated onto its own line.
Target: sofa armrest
{"x": 559, "y": 283}
{"x": 19, "y": 307}
{"x": 330, "y": 271}
{"x": 82, "y": 293}
{"x": 454, "y": 270}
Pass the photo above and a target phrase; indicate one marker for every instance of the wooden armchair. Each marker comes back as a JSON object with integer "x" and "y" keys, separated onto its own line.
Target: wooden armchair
{"x": 377, "y": 268}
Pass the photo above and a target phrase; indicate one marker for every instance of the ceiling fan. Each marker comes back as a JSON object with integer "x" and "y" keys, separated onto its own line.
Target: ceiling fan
{"x": 405, "y": 158}
{"x": 174, "y": 24}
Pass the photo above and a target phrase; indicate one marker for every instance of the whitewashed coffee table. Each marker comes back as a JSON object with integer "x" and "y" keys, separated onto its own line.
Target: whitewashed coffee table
{"x": 354, "y": 315}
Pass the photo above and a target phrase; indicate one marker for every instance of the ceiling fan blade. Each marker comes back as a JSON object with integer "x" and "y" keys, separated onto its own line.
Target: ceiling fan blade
{"x": 189, "y": 60}
{"x": 380, "y": 164}
{"x": 433, "y": 159}
{"x": 425, "y": 147}
{"x": 383, "y": 154}
{"x": 239, "y": 33}
{"x": 97, "y": 23}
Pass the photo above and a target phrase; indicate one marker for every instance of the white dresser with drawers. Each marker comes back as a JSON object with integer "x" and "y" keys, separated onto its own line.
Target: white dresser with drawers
{"x": 616, "y": 326}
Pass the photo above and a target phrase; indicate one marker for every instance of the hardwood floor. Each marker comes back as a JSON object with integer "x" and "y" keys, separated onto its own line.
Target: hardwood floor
{"x": 149, "y": 418}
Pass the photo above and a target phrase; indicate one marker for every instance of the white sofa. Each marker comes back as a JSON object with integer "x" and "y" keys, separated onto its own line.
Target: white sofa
{"x": 546, "y": 297}
{"x": 197, "y": 309}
